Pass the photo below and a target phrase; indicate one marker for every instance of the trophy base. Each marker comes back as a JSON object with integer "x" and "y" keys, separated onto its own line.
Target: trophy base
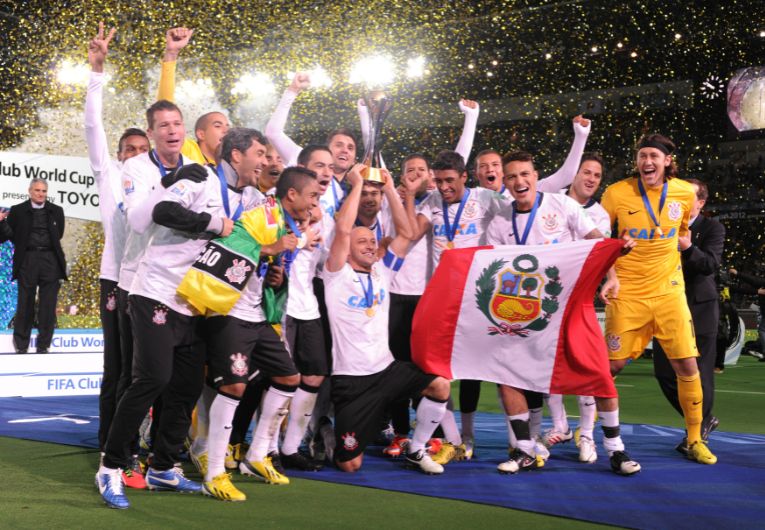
{"x": 373, "y": 174}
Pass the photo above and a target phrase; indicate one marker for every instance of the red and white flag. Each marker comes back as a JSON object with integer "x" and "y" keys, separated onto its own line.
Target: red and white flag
{"x": 518, "y": 315}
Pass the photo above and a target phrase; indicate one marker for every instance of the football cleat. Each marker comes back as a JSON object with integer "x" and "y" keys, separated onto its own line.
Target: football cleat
{"x": 682, "y": 447}
{"x": 469, "y": 444}
{"x": 588, "y": 452}
{"x": 276, "y": 461}
{"x": 112, "y": 490}
{"x": 434, "y": 445}
{"x": 300, "y": 461}
{"x": 708, "y": 427}
{"x": 200, "y": 462}
{"x": 553, "y": 436}
{"x": 221, "y": 488}
{"x": 449, "y": 453}
{"x": 396, "y": 447}
{"x": 542, "y": 453}
{"x": 699, "y": 452}
{"x": 171, "y": 480}
{"x": 132, "y": 477}
{"x": 421, "y": 460}
{"x": 263, "y": 471}
{"x": 235, "y": 454}
{"x": 622, "y": 464}
{"x": 519, "y": 461}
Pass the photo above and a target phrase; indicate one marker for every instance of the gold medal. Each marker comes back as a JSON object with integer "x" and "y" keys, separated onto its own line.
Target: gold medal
{"x": 450, "y": 244}
{"x": 370, "y": 312}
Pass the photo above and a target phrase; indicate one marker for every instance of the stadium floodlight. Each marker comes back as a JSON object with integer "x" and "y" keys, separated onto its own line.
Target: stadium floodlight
{"x": 374, "y": 71}
{"x": 415, "y": 67}
{"x": 71, "y": 73}
{"x": 254, "y": 85}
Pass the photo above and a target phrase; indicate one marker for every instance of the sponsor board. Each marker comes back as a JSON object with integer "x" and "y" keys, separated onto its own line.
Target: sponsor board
{"x": 64, "y": 341}
{"x": 66, "y": 374}
{"x": 71, "y": 184}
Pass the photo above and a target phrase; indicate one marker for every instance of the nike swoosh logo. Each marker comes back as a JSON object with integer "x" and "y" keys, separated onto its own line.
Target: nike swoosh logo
{"x": 173, "y": 482}
{"x": 227, "y": 427}
{"x": 697, "y": 402}
{"x": 588, "y": 404}
{"x": 630, "y": 212}
{"x": 436, "y": 422}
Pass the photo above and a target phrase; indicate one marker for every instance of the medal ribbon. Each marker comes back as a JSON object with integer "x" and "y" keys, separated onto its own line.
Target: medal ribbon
{"x": 647, "y": 203}
{"x": 529, "y": 223}
{"x": 162, "y": 170}
{"x": 451, "y": 230}
{"x": 224, "y": 195}
{"x": 290, "y": 255}
{"x": 369, "y": 293}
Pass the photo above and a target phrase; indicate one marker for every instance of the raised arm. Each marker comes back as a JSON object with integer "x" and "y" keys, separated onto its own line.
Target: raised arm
{"x": 565, "y": 175}
{"x": 175, "y": 40}
{"x": 341, "y": 244}
{"x": 274, "y": 131}
{"x": 95, "y": 136}
{"x": 398, "y": 213}
{"x": 471, "y": 110}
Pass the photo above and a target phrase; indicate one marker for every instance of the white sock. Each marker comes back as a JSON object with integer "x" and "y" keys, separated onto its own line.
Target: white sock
{"x": 429, "y": 414}
{"x": 221, "y": 415}
{"x": 301, "y": 410}
{"x": 535, "y": 423}
{"x": 273, "y": 446}
{"x": 468, "y": 426}
{"x": 610, "y": 419}
{"x": 272, "y": 411}
{"x": 558, "y": 412}
{"x": 199, "y": 445}
{"x": 449, "y": 426}
{"x": 587, "y": 412}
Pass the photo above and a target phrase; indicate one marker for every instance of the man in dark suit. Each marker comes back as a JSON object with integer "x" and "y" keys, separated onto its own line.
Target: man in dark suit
{"x": 35, "y": 227}
{"x": 701, "y": 255}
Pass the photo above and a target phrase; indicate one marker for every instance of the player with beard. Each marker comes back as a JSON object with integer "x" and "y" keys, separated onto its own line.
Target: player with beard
{"x": 365, "y": 377}
{"x": 488, "y": 164}
{"x": 515, "y": 225}
{"x": 115, "y": 323}
{"x": 654, "y": 208}
{"x": 583, "y": 189}
{"x": 210, "y": 128}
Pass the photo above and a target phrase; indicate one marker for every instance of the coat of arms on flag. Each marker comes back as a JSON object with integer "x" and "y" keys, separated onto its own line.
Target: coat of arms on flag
{"x": 513, "y": 296}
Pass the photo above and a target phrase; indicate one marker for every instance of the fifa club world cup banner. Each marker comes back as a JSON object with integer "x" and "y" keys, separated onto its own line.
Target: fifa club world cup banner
{"x": 518, "y": 315}
{"x": 70, "y": 182}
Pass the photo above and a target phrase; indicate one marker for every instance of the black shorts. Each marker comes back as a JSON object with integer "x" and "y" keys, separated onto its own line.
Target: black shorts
{"x": 237, "y": 349}
{"x": 360, "y": 401}
{"x": 306, "y": 342}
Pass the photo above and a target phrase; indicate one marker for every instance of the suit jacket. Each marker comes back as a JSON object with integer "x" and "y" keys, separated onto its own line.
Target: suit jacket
{"x": 700, "y": 264}
{"x": 17, "y": 228}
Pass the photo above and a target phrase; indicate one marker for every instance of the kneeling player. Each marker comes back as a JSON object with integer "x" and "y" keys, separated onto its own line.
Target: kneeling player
{"x": 366, "y": 378}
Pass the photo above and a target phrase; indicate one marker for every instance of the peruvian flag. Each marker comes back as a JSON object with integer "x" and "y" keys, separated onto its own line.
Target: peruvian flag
{"x": 518, "y": 315}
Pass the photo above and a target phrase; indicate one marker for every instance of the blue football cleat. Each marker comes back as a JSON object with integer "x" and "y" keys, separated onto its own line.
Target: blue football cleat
{"x": 171, "y": 480}
{"x": 112, "y": 489}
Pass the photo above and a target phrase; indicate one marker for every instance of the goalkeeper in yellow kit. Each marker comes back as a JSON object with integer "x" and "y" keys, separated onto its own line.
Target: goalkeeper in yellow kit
{"x": 649, "y": 298}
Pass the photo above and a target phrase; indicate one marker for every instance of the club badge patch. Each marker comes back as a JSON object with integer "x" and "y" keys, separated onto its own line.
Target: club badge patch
{"x": 674, "y": 210}
{"x": 237, "y": 272}
{"x": 160, "y": 316}
{"x": 471, "y": 210}
{"x": 349, "y": 441}
{"x": 111, "y": 302}
{"x": 614, "y": 342}
{"x": 239, "y": 366}
{"x": 550, "y": 222}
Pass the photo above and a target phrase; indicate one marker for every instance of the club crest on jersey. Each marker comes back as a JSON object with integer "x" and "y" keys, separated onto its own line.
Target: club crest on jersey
{"x": 614, "y": 342}
{"x": 674, "y": 210}
{"x": 160, "y": 316}
{"x": 550, "y": 222}
{"x": 237, "y": 272}
{"x": 518, "y": 300}
{"x": 239, "y": 365}
{"x": 349, "y": 441}
{"x": 471, "y": 210}
{"x": 111, "y": 302}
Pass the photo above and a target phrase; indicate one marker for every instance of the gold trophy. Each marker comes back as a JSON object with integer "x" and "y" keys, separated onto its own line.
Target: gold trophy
{"x": 378, "y": 105}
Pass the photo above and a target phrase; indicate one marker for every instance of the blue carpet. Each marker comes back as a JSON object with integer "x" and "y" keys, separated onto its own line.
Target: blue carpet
{"x": 670, "y": 492}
